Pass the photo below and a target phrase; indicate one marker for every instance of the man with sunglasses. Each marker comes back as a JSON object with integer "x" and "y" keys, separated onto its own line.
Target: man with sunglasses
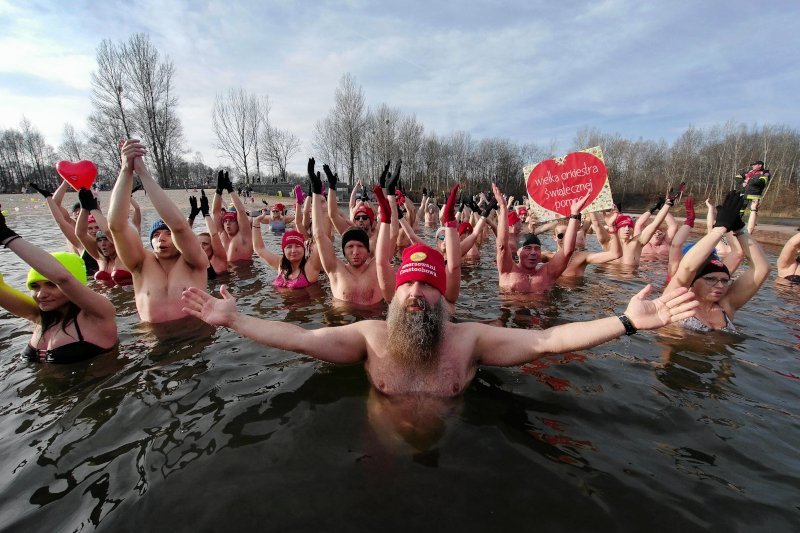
{"x": 528, "y": 275}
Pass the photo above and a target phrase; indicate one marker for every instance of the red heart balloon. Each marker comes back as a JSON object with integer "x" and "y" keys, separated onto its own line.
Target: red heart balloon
{"x": 80, "y": 175}
{"x": 555, "y": 184}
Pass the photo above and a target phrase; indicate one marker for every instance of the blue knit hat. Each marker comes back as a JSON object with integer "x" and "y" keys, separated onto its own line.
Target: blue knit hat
{"x": 155, "y": 226}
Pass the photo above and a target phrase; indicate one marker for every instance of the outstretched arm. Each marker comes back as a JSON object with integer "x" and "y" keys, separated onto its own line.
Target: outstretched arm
{"x": 788, "y": 255}
{"x": 61, "y": 216}
{"x": 510, "y": 346}
{"x": 342, "y": 344}
{"x": 272, "y": 259}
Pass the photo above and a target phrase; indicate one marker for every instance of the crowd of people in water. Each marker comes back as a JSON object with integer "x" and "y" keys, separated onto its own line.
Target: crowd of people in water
{"x": 420, "y": 347}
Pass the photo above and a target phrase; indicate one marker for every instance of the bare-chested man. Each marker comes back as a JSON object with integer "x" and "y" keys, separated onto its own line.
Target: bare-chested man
{"x": 177, "y": 261}
{"x": 528, "y": 275}
{"x": 634, "y": 240}
{"x": 417, "y": 350}
{"x": 238, "y": 244}
{"x": 580, "y": 259}
{"x": 355, "y": 281}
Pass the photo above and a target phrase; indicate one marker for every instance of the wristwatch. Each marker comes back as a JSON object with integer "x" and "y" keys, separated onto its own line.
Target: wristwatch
{"x": 630, "y": 329}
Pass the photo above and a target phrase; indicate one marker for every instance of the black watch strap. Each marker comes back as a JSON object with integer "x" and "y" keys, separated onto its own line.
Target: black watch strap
{"x": 576, "y": 217}
{"x": 630, "y": 329}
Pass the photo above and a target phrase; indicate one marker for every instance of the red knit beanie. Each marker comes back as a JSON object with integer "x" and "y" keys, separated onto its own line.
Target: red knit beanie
{"x": 292, "y": 237}
{"x": 422, "y": 263}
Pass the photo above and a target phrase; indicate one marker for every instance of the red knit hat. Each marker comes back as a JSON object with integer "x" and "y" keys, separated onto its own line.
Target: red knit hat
{"x": 623, "y": 221}
{"x": 90, "y": 219}
{"x": 464, "y": 226}
{"x": 366, "y": 210}
{"x": 513, "y": 218}
{"x": 229, "y": 215}
{"x": 422, "y": 263}
{"x": 280, "y": 207}
{"x": 292, "y": 237}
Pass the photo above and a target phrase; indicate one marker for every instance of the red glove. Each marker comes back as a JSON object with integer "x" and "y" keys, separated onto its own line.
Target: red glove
{"x": 383, "y": 203}
{"x": 449, "y": 215}
{"x": 689, "y": 204}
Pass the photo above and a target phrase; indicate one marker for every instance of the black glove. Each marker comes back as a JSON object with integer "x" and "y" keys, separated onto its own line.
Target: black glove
{"x": 332, "y": 178}
{"x": 204, "y": 203}
{"x": 87, "y": 199}
{"x": 239, "y": 191}
{"x": 193, "y": 209}
{"x": 424, "y": 191}
{"x": 672, "y": 195}
{"x": 382, "y": 179}
{"x": 729, "y": 213}
{"x": 220, "y": 181}
{"x": 228, "y": 184}
{"x": 316, "y": 179}
{"x": 487, "y": 209}
{"x": 6, "y": 234}
{"x": 43, "y": 192}
{"x": 391, "y": 186}
{"x": 461, "y": 206}
{"x": 473, "y": 205}
{"x": 401, "y": 211}
{"x": 657, "y": 206}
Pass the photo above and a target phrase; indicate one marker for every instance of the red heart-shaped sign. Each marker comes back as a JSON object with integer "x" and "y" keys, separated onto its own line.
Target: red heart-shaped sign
{"x": 80, "y": 175}
{"x": 555, "y": 184}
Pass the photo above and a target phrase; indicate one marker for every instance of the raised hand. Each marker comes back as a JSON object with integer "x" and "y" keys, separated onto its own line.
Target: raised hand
{"x": 382, "y": 179}
{"x": 333, "y": 179}
{"x": 449, "y": 214}
{"x": 391, "y": 185}
{"x": 228, "y": 184}
{"x": 41, "y": 190}
{"x": 658, "y": 205}
{"x": 385, "y": 209}
{"x": 193, "y": 209}
{"x": 87, "y": 199}
{"x": 220, "y": 182}
{"x": 204, "y": 203}
{"x": 6, "y": 234}
{"x": 577, "y": 204}
{"x": 688, "y": 203}
{"x": 130, "y": 150}
{"x": 674, "y": 195}
{"x": 316, "y": 179}
{"x": 214, "y": 311}
{"x": 299, "y": 197}
{"x": 670, "y": 307}
{"x": 729, "y": 214}
{"x": 424, "y": 191}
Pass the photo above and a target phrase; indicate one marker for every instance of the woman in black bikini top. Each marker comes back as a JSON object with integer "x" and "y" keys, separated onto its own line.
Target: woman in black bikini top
{"x": 72, "y": 322}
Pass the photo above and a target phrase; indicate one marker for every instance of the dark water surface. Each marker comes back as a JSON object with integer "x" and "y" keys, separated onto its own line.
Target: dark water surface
{"x": 212, "y": 432}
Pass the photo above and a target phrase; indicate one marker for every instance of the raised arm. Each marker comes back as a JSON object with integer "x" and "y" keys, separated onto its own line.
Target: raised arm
{"x": 89, "y": 244}
{"x": 136, "y": 218}
{"x": 272, "y": 259}
{"x": 384, "y": 247}
{"x": 647, "y": 232}
{"x": 126, "y": 238}
{"x": 505, "y": 259}
{"x": 94, "y": 305}
{"x": 343, "y": 344}
{"x": 60, "y": 215}
{"x": 183, "y": 237}
{"x": 748, "y": 283}
{"x": 788, "y": 256}
{"x": 352, "y": 204}
{"x": 339, "y": 222}
{"x": 327, "y": 256}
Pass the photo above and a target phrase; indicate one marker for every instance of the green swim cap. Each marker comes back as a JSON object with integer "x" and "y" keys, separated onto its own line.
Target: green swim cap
{"x": 70, "y": 261}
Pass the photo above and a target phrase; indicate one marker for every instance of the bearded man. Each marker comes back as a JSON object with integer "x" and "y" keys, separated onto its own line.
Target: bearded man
{"x": 417, "y": 350}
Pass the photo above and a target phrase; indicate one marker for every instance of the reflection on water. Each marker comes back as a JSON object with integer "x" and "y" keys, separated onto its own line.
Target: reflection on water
{"x": 649, "y": 432}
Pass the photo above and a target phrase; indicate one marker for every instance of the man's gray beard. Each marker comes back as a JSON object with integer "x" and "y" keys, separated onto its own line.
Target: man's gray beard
{"x": 414, "y": 337}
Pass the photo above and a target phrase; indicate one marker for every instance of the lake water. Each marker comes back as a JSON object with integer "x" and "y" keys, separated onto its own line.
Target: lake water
{"x": 213, "y": 432}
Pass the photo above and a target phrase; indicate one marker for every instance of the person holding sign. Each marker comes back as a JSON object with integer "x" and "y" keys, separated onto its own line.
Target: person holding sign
{"x": 528, "y": 275}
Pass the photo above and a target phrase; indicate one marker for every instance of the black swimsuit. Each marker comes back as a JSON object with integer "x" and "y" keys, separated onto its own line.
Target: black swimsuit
{"x": 68, "y": 353}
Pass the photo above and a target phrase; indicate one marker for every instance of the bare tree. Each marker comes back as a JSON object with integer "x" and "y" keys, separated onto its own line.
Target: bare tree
{"x": 72, "y": 146}
{"x": 237, "y": 117}
{"x": 279, "y": 146}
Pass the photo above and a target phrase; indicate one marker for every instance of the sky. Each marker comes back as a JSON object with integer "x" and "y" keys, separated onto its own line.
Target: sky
{"x": 531, "y": 71}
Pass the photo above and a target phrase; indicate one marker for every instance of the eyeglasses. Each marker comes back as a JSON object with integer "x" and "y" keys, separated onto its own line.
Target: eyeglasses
{"x": 560, "y": 236}
{"x": 711, "y": 281}
{"x": 361, "y": 217}
{"x": 440, "y": 236}
{"x": 276, "y": 211}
